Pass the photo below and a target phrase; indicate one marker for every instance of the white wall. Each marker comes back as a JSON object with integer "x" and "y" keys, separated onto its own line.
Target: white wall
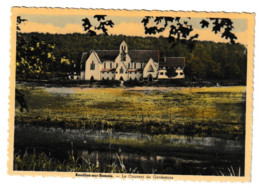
{"x": 163, "y": 72}
{"x": 180, "y": 74}
{"x": 107, "y": 63}
{"x": 107, "y": 75}
{"x": 82, "y": 75}
{"x": 124, "y": 75}
{"x": 134, "y": 75}
{"x": 95, "y": 73}
{"x": 146, "y": 68}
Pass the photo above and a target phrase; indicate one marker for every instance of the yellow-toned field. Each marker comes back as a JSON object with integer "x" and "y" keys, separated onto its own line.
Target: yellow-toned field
{"x": 224, "y": 106}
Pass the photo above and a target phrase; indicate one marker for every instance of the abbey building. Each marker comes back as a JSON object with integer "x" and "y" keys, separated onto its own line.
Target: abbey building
{"x": 125, "y": 64}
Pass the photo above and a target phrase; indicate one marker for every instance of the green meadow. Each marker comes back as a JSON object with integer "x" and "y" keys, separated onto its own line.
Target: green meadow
{"x": 206, "y": 111}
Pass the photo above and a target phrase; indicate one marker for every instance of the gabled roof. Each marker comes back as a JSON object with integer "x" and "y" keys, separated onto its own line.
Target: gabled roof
{"x": 110, "y": 55}
{"x": 104, "y": 55}
{"x": 173, "y": 62}
{"x": 83, "y": 60}
{"x": 107, "y": 55}
{"x": 143, "y": 55}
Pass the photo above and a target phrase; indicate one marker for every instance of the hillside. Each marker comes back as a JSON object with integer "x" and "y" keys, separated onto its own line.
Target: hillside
{"x": 207, "y": 60}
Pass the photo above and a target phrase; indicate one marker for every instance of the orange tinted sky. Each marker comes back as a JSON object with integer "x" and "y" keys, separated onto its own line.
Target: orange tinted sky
{"x": 130, "y": 26}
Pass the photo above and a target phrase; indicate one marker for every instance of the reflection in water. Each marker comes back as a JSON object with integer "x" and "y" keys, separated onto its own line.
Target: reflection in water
{"x": 135, "y": 153}
{"x": 138, "y": 162}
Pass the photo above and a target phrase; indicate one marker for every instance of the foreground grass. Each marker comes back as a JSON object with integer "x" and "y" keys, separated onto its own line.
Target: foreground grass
{"x": 42, "y": 162}
{"x": 218, "y": 111}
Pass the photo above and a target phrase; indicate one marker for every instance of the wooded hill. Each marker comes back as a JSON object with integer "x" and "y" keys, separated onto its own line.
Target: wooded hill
{"x": 207, "y": 60}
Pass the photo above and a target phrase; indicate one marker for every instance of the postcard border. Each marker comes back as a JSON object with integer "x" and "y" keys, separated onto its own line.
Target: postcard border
{"x": 74, "y": 11}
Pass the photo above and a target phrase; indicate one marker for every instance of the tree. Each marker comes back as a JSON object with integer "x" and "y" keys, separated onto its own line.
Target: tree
{"x": 90, "y": 29}
{"x": 180, "y": 29}
{"x": 34, "y": 58}
{"x": 218, "y": 24}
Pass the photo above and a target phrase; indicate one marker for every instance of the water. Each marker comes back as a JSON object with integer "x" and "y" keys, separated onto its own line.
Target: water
{"x": 140, "y": 154}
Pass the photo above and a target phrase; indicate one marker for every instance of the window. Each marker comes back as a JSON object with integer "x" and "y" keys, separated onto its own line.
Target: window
{"x": 92, "y": 66}
{"x": 121, "y": 70}
{"x": 150, "y": 69}
{"x": 181, "y": 73}
{"x": 134, "y": 65}
{"x": 123, "y": 48}
{"x": 129, "y": 65}
{"x": 104, "y": 65}
{"x": 161, "y": 73}
{"x": 116, "y": 65}
{"x": 110, "y": 65}
{"x": 123, "y": 56}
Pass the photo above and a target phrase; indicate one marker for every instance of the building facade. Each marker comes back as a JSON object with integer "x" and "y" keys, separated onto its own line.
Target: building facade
{"x": 125, "y": 64}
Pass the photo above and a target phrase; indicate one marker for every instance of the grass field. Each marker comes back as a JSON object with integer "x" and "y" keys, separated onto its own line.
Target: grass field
{"x": 215, "y": 111}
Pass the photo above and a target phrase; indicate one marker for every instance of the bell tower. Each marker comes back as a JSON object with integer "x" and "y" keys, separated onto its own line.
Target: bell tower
{"x": 123, "y": 50}
{"x": 123, "y": 47}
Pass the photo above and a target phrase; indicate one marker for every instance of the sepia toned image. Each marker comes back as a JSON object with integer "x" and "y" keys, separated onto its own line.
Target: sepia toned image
{"x": 131, "y": 94}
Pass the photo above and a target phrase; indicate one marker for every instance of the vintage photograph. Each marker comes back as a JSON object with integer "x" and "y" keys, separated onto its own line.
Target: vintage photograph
{"x": 131, "y": 94}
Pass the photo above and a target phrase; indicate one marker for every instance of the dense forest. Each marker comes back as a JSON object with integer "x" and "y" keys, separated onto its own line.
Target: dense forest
{"x": 207, "y": 60}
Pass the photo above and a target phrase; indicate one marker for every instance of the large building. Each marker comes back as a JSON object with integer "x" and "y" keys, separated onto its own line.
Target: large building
{"x": 125, "y": 64}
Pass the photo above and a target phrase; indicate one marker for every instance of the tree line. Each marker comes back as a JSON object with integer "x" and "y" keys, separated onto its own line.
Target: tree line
{"x": 62, "y": 54}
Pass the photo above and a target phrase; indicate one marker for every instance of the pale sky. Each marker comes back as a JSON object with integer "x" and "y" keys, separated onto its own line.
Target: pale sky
{"x": 130, "y": 26}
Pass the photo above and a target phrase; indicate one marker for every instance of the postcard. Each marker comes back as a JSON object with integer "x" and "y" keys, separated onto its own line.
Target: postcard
{"x": 131, "y": 94}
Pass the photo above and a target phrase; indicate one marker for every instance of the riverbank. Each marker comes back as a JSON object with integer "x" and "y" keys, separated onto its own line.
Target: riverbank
{"x": 164, "y": 130}
{"x": 127, "y": 151}
{"x": 132, "y": 83}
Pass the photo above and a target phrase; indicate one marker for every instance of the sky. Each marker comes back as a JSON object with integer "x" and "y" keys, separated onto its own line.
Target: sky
{"x": 124, "y": 25}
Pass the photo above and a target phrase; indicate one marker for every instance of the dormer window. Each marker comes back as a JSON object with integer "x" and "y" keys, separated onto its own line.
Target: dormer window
{"x": 92, "y": 66}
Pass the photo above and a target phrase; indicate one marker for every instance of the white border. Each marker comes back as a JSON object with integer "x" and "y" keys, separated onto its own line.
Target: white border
{"x": 188, "y": 5}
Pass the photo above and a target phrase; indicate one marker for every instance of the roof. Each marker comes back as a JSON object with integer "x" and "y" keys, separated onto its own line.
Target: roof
{"x": 143, "y": 55}
{"x": 173, "y": 62}
{"x": 110, "y": 55}
{"x": 83, "y": 60}
{"x": 107, "y": 55}
{"x": 104, "y": 55}
{"x": 135, "y": 55}
{"x": 108, "y": 70}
